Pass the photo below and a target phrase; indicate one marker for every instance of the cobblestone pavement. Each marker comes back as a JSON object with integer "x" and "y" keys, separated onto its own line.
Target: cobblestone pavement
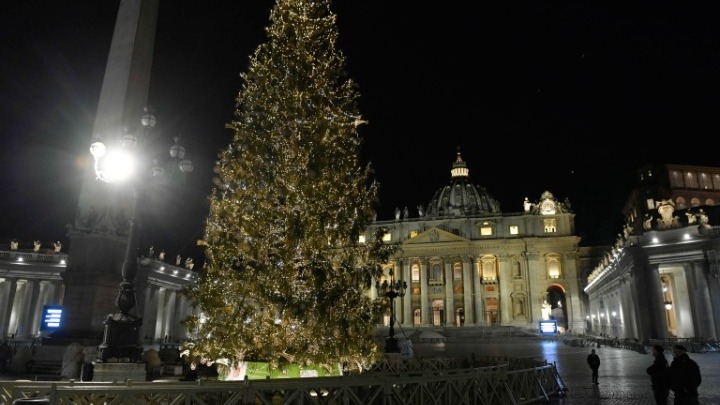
{"x": 622, "y": 378}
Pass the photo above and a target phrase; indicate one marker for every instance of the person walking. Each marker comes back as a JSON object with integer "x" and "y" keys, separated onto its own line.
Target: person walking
{"x": 659, "y": 373}
{"x": 593, "y": 361}
{"x": 684, "y": 377}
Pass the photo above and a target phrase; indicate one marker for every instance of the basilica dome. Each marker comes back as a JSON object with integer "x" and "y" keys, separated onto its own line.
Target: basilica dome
{"x": 461, "y": 198}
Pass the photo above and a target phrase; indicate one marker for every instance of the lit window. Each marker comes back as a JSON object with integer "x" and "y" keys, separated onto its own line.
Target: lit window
{"x": 650, "y": 204}
{"x": 550, "y": 225}
{"x": 488, "y": 268}
{"x": 553, "y": 266}
{"x": 387, "y": 237}
{"x": 705, "y": 182}
{"x": 415, "y": 273}
{"x": 676, "y": 180}
{"x": 514, "y": 230}
{"x": 436, "y": 274}
{"x": 486, "y": 231}
{"x": 361, "y": 239}
{"x": 691, "y": 180}
{"x": 457, "y": 271}
{"x": 716, "y": 181}
{"x": 413, "y": 234}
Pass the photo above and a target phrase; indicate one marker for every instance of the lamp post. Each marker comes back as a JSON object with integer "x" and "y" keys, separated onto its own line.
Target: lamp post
{"x": 391, "y": 290}
{"x": 121, "y": 334}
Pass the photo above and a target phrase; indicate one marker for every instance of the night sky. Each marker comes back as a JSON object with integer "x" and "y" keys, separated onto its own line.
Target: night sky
{"x": 566, "y": 96}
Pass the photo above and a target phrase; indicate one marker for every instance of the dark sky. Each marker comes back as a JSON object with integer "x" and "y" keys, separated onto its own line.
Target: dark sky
{"x": 566, "y": 96}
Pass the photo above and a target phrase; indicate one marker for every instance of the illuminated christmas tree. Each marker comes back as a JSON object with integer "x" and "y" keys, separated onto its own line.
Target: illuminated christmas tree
{"x": 286, "y": 278}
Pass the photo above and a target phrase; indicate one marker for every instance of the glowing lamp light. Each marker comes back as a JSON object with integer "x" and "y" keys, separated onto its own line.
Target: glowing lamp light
{"x": 668, "y": 305}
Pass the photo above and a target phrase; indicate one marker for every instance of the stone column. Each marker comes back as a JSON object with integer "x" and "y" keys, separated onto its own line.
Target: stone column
{"x": 7, "y": 298}
{"x": 479, "y": 292}
{"x": 169, "y": 315}
{"x": 468, "y": 292}
{"x": 505, "y": 289}
{"x": 407, "y": 299}
{"x": 40, "y": 299}
{"x": 150, "y": 313}
{"x": 449, "y": 295}
{"x": 425, "y": 315}
{"x": 18, "y": 314}
{"x": 160, "y": 310}
{"x": 700, "y": 301}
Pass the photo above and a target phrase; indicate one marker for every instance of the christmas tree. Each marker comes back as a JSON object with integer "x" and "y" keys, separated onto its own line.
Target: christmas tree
{"x": 286, "y": 278}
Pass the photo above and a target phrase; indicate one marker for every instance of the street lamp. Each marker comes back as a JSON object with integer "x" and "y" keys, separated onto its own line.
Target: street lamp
{"x": 391, "y": 290}
{"x": 121, "y": 334}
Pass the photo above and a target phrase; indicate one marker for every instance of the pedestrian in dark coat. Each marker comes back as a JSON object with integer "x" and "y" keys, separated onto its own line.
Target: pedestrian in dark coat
{"x": 684, "y": 377}
{"x": 593, "y": 361}
{"x": 659, "y": 373}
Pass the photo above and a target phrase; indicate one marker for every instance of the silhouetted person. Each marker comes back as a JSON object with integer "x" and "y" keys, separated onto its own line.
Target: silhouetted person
{"x": 593, "y": 361}
{"x": 659, "y": 373}
{"x": 684, "y": 377}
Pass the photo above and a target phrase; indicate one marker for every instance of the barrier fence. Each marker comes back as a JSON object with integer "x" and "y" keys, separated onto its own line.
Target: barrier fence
{"x": 430, "y": 381}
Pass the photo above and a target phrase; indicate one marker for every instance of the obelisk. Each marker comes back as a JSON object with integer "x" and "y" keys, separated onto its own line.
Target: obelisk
{"x": 99, "y": 234}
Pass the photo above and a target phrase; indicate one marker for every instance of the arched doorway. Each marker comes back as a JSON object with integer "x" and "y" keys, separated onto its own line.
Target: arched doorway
{"x": 556, "y": 300}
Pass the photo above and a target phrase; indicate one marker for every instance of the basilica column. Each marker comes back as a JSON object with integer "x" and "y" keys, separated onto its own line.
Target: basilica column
{"x": 407, "y": 319}
{"x": 477, "y": 302}
{"x": 425, "y": 316}
{"x": 449, "y": 295}
{"x": 505, "y": 289}
{"x": 537, "y": 281}
{"x": 468, "y": 292}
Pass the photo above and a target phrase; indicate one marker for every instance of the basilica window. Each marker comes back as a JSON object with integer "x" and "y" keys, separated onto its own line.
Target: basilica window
{"x": 415, "y": 273}
{"x": 486, "y": 228}
{"x": 691, "y": 180}
{"x": 457, "y": 271}
{"x": 488, "y": 266}
{"x": 550, "y": 225}
{"x": 514, "y": 230}
{"x": 552, "y": 263}
{"x": 436, "y": 273}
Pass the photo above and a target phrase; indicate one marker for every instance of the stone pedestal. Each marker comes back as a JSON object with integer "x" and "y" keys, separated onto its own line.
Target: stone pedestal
{"x": 109, "y": 372}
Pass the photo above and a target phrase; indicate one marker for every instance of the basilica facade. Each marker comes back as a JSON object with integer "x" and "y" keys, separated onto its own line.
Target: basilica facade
{"x": 465, "y": 262}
